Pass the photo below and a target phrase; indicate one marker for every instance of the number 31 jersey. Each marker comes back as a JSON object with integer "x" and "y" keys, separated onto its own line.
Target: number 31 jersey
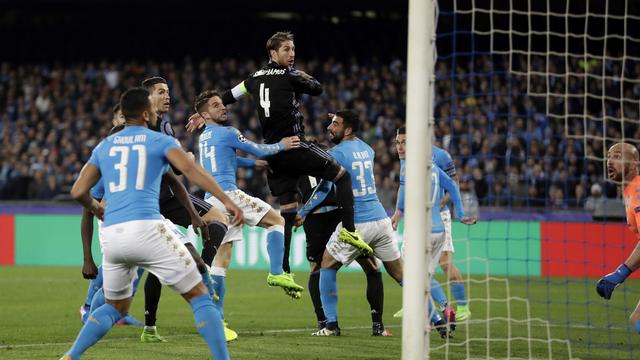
{"x": 132, "y": 163}
{"x": 358, "y": 159}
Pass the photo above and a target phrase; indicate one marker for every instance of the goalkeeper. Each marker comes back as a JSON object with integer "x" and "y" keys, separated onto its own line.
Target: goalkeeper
{"x": 622, "y": 167}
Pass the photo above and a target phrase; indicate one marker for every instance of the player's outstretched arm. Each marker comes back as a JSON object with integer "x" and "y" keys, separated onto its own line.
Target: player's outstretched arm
{"x": 317, "y": 197}
{"x": 611, "y": 281}
{"x": 305, "y": 83}
{"x": 238, "y": 141}
{"x": 196, "y": 174}
{"x": 183, "y": 197}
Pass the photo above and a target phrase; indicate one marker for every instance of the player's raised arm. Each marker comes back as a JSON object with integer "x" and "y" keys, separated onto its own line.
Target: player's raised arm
{"x": 305, "y": 83}
{"x": 198, "y": 176}
{"x": 236, "y": 93}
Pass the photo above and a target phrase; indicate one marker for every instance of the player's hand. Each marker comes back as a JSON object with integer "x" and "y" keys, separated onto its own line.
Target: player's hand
{"x": 97, "y": 208}
{"x": 299, "y": 220}
{"x": 395, "y": 219}
{"x": 196, "y": 121}
{"x": 291, "y": 142}
{"x": 89, "y": 269}
{"x": 237, "y": 217}
{"x": 263, "y": 165}
{"x": 611, "y": 281}
{"x": 469, "y": 220}
{"x": 199, "y": 223}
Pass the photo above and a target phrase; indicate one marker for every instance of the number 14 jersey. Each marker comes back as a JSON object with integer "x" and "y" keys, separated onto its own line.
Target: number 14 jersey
{"x": 358, "y": 159}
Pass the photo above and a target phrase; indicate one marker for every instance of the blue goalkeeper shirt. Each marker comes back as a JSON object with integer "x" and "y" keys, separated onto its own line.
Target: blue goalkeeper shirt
{"x": 217, "y": 148}
{"x": 132, "y": 163}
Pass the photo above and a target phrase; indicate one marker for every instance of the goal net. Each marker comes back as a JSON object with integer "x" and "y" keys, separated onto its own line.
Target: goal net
{"x": 529, "y": 95}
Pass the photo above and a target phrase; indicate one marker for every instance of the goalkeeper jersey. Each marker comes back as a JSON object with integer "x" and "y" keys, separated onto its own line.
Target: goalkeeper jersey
{"x": 632, "y": 205}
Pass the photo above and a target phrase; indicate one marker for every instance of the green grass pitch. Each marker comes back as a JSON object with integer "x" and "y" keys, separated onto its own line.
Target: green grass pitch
{"x": 39, "y": 320}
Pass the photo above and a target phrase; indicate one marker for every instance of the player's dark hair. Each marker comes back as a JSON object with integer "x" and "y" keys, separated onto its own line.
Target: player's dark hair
{"x": 350, "y": 120}
{"x": 401, "y": 130}
{"x": 116, "y": 129}
{"x": 202, "y": 98}
{"x": 116, "y": 108}
{"x": 152, "y": 81}
{"x": 276, "y": 40}
{"x": 134, "y": 102}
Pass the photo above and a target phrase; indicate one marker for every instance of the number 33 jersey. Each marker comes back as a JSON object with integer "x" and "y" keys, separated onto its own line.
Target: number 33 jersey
{"x": 132, "y": 163}
{"x": 358, "y": 159}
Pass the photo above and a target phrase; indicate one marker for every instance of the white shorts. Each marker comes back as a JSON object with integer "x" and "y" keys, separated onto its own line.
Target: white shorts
{"x": 438, "y": 242}
{"x": 378, "y": 234}
{"x": 151, "y": 245}
{"x": 253, "y": 208}
{"x": 189, "y": 238}
{"x": 448, "y": 240}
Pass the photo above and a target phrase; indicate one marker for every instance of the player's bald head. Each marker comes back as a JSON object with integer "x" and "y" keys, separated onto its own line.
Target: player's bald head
{"x": 629, "y": 151}
{"x": 622, "y": 162}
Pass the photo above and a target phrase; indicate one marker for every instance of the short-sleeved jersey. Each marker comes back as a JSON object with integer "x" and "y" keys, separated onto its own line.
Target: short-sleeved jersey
{"x": 632, "y": 205}
{"x": 132, "y": 163}
{"x": 217, "y": 154}
{"x": 276, "y": 91}
{"x": 97, "y": 191}
{"x": 358, "y": 159}
{"x": 443, "y": 160}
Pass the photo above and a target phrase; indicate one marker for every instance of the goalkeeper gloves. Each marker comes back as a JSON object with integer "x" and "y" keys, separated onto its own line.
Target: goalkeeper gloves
{"x": 609, "y": 282}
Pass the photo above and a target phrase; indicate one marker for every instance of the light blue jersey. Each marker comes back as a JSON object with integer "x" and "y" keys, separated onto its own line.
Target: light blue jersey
{"x": 358, "y": 159}
{"x": 97, "y": 191}
{"x": 218, "y": 145}
{"x": 132, "y": 163}
{"x": 441, "y": 159}
{"x": 440, "y": 182}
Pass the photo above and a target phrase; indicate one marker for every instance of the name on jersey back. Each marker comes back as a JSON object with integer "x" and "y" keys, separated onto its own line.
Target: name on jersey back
{"x": 269, "y": 72}
{"x": 129, "y": 139}
{"x": 361, "y": 155}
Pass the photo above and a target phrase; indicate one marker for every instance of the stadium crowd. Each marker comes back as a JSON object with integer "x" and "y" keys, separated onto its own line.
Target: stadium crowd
{"x": 505, "y": 147}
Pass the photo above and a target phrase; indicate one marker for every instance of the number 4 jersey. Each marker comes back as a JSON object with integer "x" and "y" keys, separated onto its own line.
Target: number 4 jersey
{"x": 276, "y": 90}
{"x": 132, "y": 163}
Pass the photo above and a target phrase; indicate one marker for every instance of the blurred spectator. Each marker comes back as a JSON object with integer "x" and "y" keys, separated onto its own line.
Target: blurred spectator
{"x": 596, "y": 199}
{"x": 513, "y": 150}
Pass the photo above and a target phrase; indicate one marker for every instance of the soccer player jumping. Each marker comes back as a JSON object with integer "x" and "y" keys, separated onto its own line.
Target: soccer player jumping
{"x": 276, "y": 89}
{"x": 623, "y": 167}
